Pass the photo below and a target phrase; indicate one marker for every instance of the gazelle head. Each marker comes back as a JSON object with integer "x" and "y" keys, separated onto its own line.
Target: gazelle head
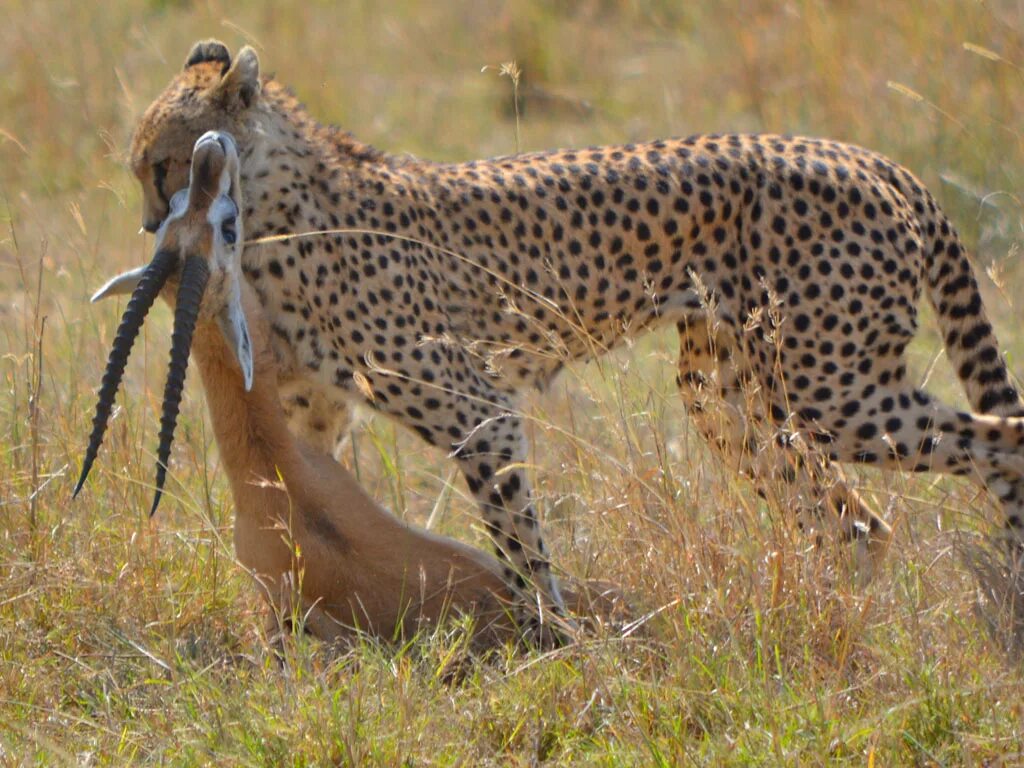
{"x": 197, "y": 266}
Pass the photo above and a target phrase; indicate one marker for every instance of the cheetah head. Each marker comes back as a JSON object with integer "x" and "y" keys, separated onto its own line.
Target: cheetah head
{"x": 212, "y": 92}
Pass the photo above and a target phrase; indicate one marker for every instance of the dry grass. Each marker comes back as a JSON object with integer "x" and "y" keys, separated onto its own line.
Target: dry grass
{"x": 124, "y": 640}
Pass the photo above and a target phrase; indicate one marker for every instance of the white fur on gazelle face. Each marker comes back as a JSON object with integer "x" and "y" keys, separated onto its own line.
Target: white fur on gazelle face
{"x": 224, "y": 218}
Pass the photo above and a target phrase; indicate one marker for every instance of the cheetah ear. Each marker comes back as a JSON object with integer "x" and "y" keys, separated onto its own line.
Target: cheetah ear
{"x": 242, "y": 80}
{"x": 209, "y": 50}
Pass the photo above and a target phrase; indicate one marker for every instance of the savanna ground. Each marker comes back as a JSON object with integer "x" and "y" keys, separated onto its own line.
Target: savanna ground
{"x": 125, "y": 640}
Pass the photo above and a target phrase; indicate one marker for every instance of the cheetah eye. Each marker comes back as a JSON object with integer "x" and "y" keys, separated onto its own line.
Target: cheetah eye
{"x": 228, "y": 231}
{"x": 160, "y": 178}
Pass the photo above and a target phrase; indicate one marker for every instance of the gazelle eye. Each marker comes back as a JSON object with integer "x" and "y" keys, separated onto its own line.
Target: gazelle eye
{"x": 228, "y": 231}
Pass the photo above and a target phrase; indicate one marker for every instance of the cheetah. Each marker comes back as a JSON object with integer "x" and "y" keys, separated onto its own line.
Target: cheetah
{"x": 437, "y": 292}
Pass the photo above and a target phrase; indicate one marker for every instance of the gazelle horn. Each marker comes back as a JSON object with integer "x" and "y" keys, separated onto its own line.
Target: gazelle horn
{"x": 143, "y": 296}
{"x": 190, "y": 294}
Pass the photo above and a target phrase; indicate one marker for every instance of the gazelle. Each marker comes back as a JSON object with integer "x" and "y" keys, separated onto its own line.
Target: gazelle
{"x": 315, "y": 542}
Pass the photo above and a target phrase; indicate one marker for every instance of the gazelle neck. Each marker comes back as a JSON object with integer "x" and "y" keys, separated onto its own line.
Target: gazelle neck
{"x": 250, "y": 427}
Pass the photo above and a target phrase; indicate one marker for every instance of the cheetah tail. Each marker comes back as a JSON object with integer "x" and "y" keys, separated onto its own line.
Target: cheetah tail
{"x": 970, "y": 341}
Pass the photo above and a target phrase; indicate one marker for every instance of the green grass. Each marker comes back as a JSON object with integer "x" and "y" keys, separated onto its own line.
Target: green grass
{"x": 125, "y": 640}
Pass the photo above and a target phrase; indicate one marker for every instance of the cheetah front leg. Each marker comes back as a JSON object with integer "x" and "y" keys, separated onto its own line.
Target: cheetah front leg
{"x": 722, "y": 399}
{"x": 491, "y": 458}
{"x": 455, "y": 408}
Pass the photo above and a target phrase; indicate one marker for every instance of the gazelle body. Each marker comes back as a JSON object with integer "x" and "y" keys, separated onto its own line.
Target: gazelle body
{"x": 305, "y": 528}
{"x": 316, "y": 543}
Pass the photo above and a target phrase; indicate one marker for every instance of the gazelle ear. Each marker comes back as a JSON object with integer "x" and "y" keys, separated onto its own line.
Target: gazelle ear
{"x": 236, "y": 332}
{"x": 242, "y": 81}
{"x": 121, "y": 284}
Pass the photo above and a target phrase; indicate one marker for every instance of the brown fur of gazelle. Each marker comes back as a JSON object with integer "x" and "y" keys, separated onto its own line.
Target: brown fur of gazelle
{"x": 305, "y": 529}
{"x": 317, "y": 544}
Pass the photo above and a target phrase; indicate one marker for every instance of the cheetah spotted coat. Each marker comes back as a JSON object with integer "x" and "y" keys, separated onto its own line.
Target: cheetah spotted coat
{"x": 792, "y": 268}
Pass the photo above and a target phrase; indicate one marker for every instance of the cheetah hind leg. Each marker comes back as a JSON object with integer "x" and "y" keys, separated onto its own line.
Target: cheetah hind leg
{"x": 833, "y": 504}
{"x": 716, "y": 389}
{"x": 929, "y": 436}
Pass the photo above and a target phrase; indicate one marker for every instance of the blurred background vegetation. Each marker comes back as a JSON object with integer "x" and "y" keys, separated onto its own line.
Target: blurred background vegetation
{"x": 120, "y": 638}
